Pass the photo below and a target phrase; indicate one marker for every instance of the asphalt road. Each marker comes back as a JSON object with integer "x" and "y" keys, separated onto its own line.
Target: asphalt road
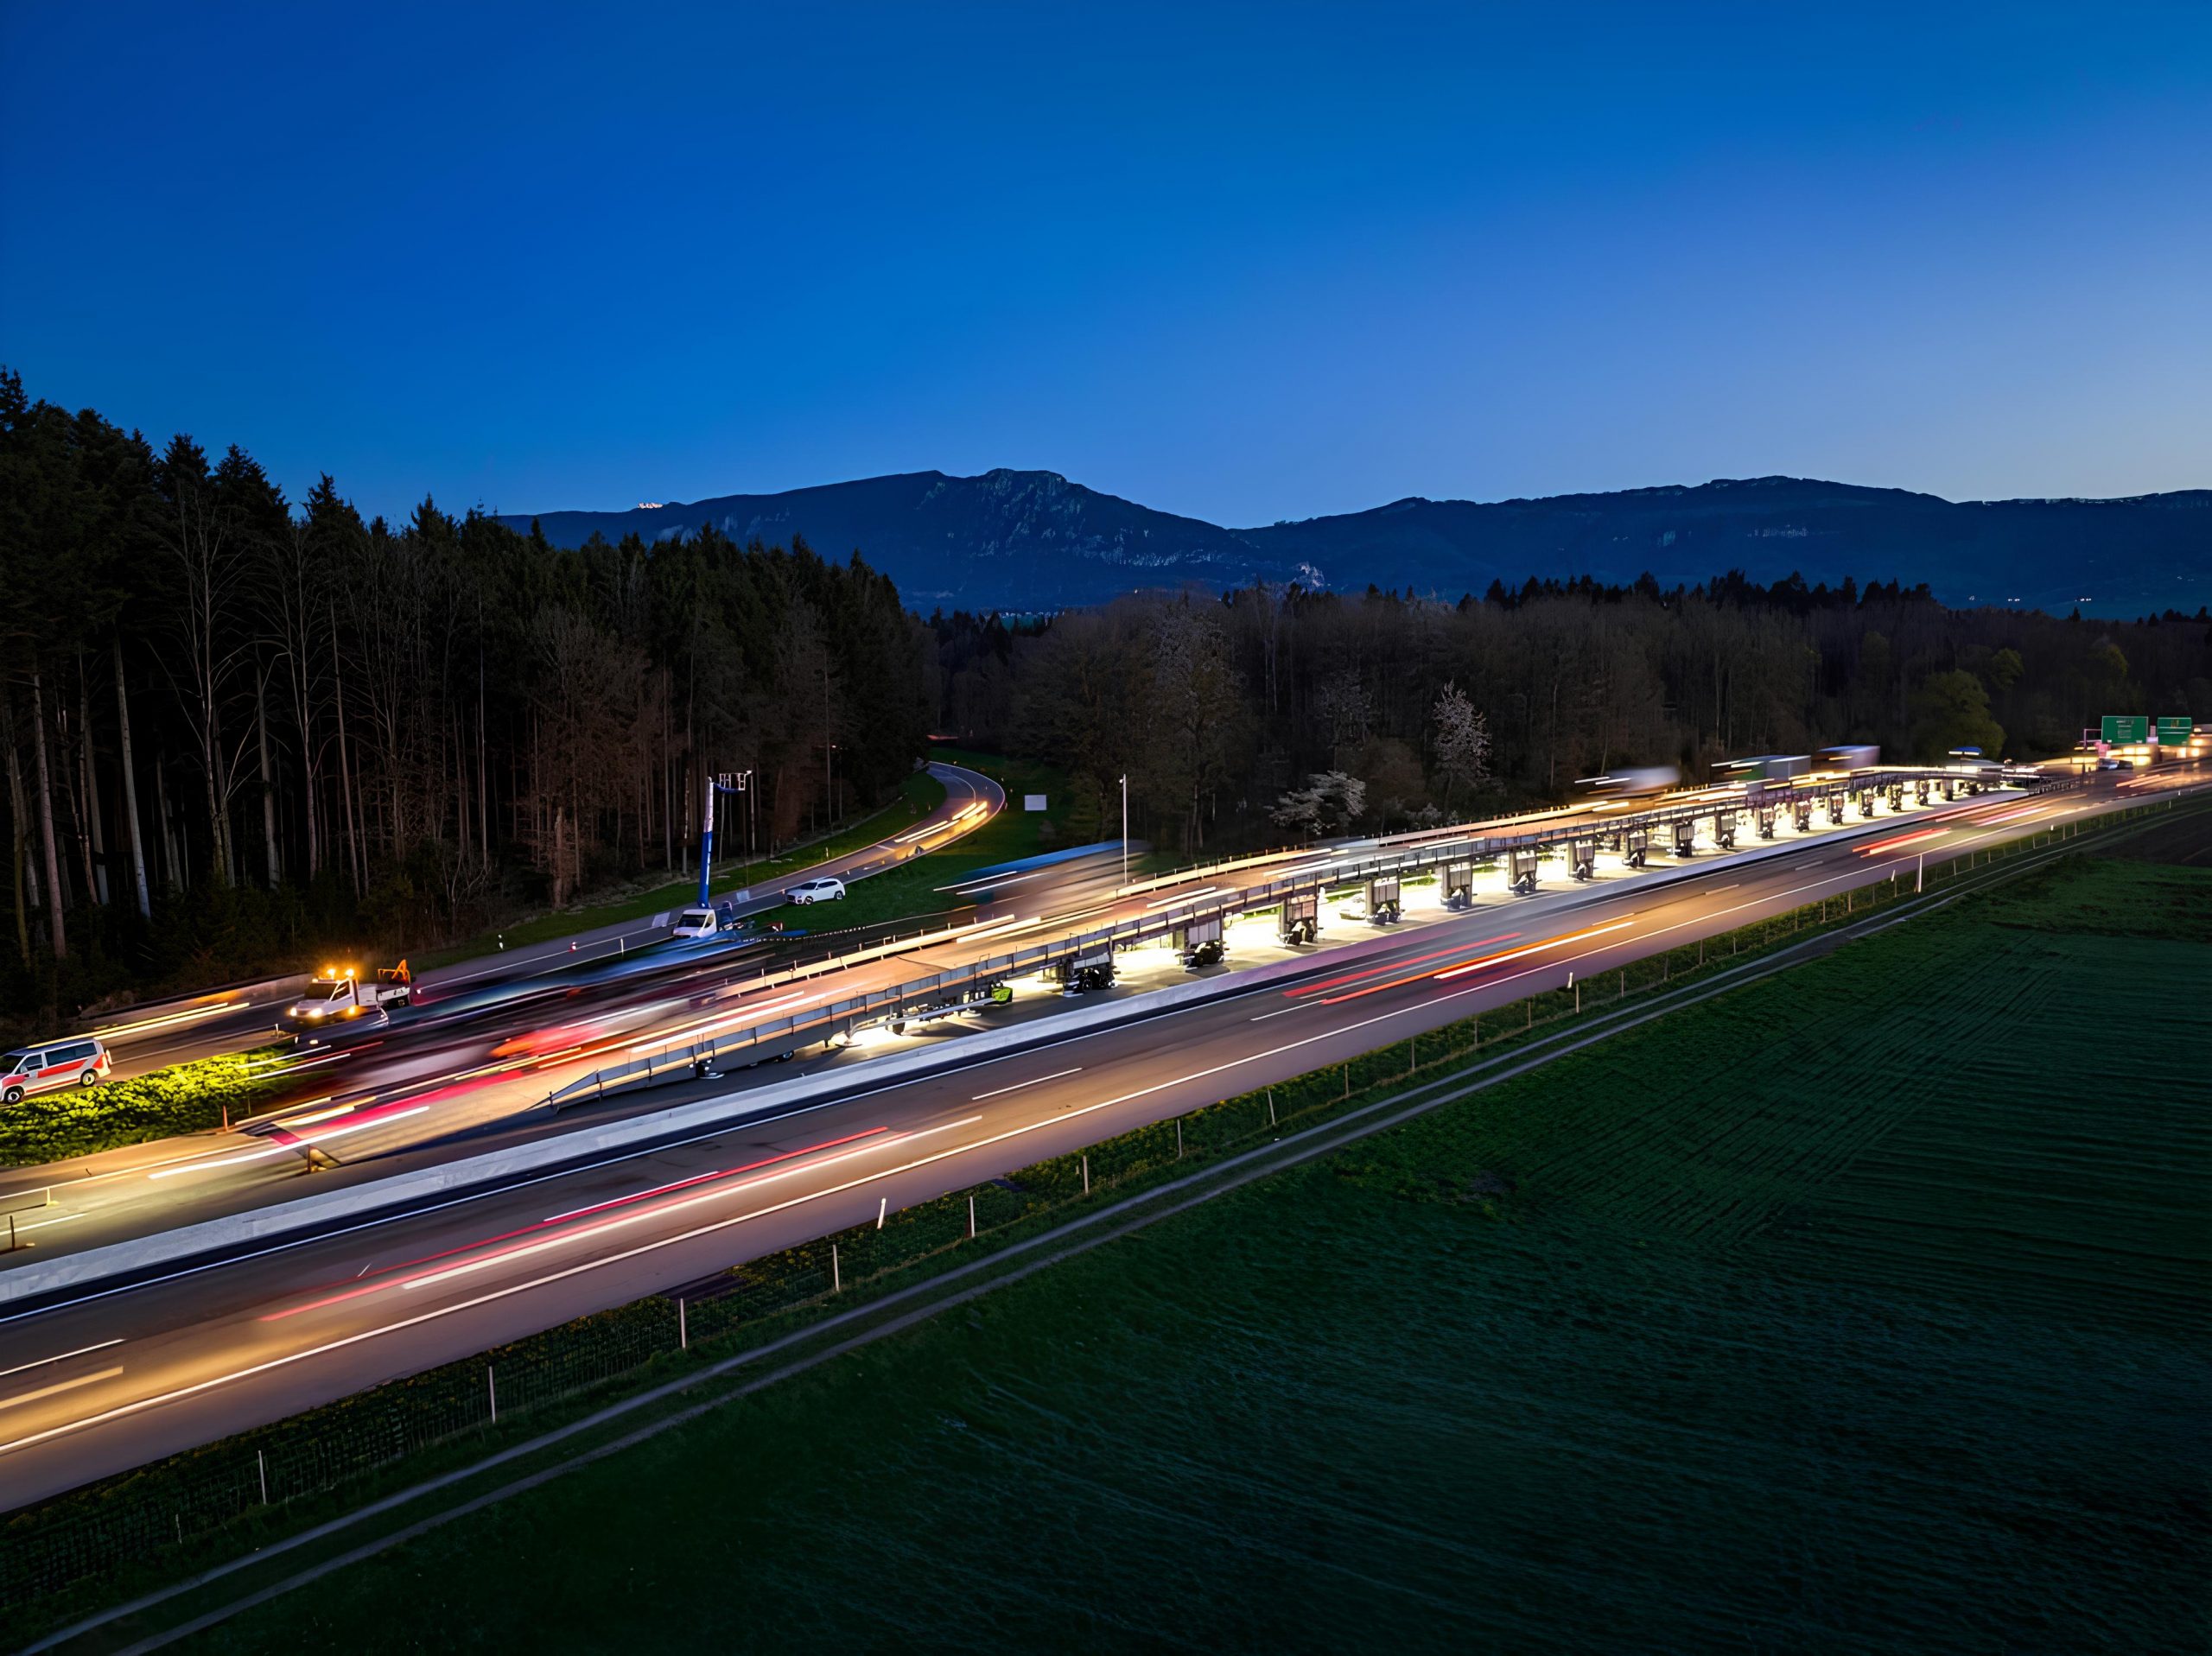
{"x": 115, "y": 1379}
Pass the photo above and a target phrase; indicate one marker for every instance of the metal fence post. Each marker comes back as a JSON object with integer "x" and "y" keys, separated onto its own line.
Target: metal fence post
{"x": 682, "y": 1329}
{"x": 1086, "y": 1174}
{"x": 1178, "y": 1138}
{"x": 972, "y": 1218}
{"x": 492, "y": 1392}
{"x": 261, "y": 1465}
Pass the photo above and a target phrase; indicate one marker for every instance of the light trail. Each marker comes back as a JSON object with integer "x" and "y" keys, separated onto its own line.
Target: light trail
{"x": 215, "y": 1164}
{"x": 1487, "y": 961}
{"x": 1393, "y": 966}
{"x": 191, "y": 1014}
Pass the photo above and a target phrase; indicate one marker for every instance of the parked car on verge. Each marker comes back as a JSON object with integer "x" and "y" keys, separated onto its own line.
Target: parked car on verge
{"x": 81, "y": 1063}
{"x": 826, "y": 889}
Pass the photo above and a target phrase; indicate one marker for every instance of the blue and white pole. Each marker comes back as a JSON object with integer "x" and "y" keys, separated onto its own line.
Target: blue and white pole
{"x": 706, "y": 844}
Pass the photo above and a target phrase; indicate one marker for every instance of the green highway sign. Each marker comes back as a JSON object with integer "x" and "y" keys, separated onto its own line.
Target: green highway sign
{"x": 2174, "y": 731}
{"x": 2124, "y": 727}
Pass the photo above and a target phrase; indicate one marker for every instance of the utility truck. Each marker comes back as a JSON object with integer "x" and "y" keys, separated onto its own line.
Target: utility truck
{"x": 339, "y": 995}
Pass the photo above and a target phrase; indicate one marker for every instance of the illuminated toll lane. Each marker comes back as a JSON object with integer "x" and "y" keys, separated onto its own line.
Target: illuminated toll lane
{"x": 203, "y": 1358}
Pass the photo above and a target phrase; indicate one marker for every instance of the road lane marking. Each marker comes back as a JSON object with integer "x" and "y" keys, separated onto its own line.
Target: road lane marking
{"x": 61, "y": 1356}
{"x": 60, "y": 1385}
{"x": 1016, "y": 1086}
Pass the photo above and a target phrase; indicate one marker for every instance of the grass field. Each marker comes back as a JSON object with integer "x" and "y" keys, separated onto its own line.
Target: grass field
{"x": 1863, "y": 1308}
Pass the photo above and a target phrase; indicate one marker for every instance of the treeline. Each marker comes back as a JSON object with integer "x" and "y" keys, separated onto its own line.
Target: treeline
{"x": 1276, "y": 710}
{"x": 237, "y": 728}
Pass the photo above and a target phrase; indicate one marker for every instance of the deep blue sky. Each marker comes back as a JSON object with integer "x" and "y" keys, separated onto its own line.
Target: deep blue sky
{"x": 1242, "y": 263}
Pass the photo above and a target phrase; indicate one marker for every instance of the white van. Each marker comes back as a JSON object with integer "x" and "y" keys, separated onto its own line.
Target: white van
{"x": 695, "y": 922}
{"x": 81, "y": 1063}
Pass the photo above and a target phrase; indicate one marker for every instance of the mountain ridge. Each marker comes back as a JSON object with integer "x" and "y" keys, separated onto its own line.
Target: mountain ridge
{"x": 1033, "y": 540}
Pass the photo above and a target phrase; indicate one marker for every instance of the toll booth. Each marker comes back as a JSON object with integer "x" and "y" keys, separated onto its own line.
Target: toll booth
{"x": 1950, "y": 787}
{"x": 1764, "y": 816}
{"x": 1521, "y": 870}
{"x": 1724, "y": 830}
{"x": 1638, "y": 847}
{"x": 1836, "y": 803}
{"x": 1685, "y": 838}
{"x": 1801, "y": 815}
{"x": 1582, "y": 859}
{"x": 1199, "y": 943}
{"x": 1458, "y": 885}
{"x": 1897, "y": 796}
{"x": 1920, "y": 790}
{"x": 1301, "y": 918}
{"x": 1087, "y": 971}
{"x": 1867, "y": 803}
{"x": 1383, "y": 904}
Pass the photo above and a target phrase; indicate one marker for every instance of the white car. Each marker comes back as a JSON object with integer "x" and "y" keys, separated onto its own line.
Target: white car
{"x": 824, "y": 889}
{"x": 695, "y": 922}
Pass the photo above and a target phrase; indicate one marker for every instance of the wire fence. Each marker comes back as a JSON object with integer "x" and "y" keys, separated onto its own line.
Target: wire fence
{"x": 244, "y": 1490}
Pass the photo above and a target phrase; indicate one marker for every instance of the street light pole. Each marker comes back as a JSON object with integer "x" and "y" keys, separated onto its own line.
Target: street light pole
{"x": 1125, "y": 827}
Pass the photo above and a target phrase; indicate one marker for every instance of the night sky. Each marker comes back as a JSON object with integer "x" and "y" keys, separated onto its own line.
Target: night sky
{"x": 1242, "y": 263}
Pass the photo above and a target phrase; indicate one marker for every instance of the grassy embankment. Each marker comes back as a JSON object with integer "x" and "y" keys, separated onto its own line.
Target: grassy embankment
{"x": 917, "y": 795}
{"x": 1862, "y": 1307}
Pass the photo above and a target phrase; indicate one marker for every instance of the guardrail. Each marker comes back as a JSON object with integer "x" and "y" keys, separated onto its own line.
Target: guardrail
{"x": 758, "y": 1041}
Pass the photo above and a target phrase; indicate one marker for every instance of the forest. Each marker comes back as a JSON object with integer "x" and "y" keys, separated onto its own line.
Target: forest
{"x": 1272, "y": 711}
{"x": 239, "y": 729}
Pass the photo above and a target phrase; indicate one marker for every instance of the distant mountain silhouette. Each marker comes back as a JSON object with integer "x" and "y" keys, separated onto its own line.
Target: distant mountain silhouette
{"x": 1011, "y": 540}
{"x": 1033, "y": 540}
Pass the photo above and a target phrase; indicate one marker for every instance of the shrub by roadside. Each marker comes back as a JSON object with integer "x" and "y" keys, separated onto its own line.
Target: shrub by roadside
{"x": 183, "y": 1098}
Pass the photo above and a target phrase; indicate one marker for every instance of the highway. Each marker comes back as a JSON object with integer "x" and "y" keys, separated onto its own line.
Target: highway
{"x": 434, "y": 1090}
{"x": 114, "y": 1376}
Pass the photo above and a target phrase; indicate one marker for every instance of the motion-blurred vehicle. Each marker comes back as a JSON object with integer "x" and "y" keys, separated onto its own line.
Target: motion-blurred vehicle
{"x": 1638, "y": 782}
{"x": 826, "y": 889}
{"x": 81, "y": 1062}
{"x": 1762, "y": 769}
{"x": 339, "y": 995}
{"x": 1858, "y": 756}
